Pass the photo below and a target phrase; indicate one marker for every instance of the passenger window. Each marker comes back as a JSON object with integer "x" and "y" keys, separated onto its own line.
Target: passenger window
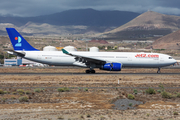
{"x": 170, "y": 58}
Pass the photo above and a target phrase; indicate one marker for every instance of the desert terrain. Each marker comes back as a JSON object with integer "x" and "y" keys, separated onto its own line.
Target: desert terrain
{"x": 101, "y": 96}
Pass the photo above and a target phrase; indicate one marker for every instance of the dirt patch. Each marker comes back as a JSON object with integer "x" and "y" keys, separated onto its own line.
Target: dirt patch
{"x": 50, "y": 100}
{"x": 159, "y": 105}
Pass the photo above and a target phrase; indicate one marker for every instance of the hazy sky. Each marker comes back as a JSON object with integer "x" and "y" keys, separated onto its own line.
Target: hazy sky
{"x": 43, "y": 7}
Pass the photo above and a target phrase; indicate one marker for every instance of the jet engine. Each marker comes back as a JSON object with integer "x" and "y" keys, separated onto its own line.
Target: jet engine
{"x": 112, "y": 67}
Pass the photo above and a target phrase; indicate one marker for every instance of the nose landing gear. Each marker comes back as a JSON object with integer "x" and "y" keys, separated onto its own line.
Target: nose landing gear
{"x": 159, "y": 70}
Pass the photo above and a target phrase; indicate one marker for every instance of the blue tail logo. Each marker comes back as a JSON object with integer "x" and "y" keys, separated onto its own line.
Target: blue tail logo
{"x": 18, "y": 42}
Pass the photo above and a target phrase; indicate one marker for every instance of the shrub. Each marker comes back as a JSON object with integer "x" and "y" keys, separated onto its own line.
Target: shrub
{"x": 60, "y": 118}
{"x": 85, "y": 89}
{"x": 27, "y": 92}
{"x": 130, "y": 96}
{"x": 5, "y": 92}
{"x": 162, "y": 87}
{"x": 166, "y": 95}
{"x": 1, "y": 91}
{"x": 23, "y": 99}
{"x": 135, "y": 91}
{"x": 102, "y": 118}
{"x": 20, "y": 91}
{"x": 159, "y": 91}
{"x": 130, "y": 104}
{"x": 178, "y": 95}
{"x": 150, "y": 91}
{"x": 60, "y": 90}
{"x": 37, "y": 90}
{"x": 175, "y": 113}
{"x": 4, "y": 99}
{"x": 12, "y": 98}
{"x": 160, "y": 118}
{"x": 65, "y": 89}
{"x": 88, "y": 115}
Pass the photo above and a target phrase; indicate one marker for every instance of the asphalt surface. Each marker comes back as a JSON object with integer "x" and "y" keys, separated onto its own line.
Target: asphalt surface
{"x": 90, "y": 87}
{"x": 26, "y": 73}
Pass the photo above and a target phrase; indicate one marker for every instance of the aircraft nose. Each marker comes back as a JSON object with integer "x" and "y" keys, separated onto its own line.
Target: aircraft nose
{"x": 174, "y": 61}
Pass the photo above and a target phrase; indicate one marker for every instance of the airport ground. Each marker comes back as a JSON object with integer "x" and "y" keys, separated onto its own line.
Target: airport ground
{"x": 70, "y": 94}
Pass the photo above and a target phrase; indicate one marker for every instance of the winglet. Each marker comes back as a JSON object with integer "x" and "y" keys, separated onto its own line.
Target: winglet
{"x": 64, "y": 51}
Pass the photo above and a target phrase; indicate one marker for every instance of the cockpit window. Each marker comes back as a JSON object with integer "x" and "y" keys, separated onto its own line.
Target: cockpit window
{"x": 170, "y": 58}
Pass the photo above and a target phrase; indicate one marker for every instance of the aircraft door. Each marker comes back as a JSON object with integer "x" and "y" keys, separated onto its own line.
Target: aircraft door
{"x": 161, "y": 58}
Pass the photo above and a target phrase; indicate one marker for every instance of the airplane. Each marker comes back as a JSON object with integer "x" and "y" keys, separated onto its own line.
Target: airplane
{"x": 109, "y": 61}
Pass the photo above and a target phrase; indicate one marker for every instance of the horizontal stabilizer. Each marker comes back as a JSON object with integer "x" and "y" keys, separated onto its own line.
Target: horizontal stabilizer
{"x": 20, "y": 53}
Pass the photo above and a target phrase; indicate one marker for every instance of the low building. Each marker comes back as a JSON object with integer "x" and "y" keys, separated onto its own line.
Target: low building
{"x": 12, "y": 62}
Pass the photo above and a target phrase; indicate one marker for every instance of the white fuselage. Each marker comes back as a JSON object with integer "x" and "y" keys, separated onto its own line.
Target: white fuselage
{"x": 127, "y": 59}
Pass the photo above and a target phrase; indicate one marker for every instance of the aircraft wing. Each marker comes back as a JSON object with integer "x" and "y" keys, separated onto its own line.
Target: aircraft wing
{"x": 86, "y": 59}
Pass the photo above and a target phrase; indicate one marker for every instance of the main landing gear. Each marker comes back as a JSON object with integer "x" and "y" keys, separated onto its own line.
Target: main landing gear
{"x": 159, "y": 70}
{"x": 90, "y": 71}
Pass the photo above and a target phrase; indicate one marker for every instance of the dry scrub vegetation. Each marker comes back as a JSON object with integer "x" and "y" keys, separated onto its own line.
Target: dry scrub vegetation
{"x": 89, "y": 96}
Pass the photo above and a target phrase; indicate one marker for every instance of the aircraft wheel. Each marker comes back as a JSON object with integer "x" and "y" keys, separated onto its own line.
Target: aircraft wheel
{"x": 93, "y": 71}
{"x": 88, "y": 71}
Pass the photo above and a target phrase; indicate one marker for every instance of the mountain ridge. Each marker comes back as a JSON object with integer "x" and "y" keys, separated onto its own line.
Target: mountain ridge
{"x": 87, "y": 17}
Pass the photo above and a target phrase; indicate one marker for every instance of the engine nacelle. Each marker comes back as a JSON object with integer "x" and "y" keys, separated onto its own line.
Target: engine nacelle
{"x": 112, "y": 67}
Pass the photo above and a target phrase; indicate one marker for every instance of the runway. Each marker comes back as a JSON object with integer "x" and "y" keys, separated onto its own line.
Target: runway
{"x": 84, "y": 74}
{"x": 42, "y": 87}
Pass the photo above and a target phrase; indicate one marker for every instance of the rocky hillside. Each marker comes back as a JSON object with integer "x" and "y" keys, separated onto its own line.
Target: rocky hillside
{"x": 145, "y": 26}
{"x": 171, "y": 41}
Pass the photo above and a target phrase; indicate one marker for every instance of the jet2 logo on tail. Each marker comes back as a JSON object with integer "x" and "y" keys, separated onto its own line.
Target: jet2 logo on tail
{"x": 19, "y": 41}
